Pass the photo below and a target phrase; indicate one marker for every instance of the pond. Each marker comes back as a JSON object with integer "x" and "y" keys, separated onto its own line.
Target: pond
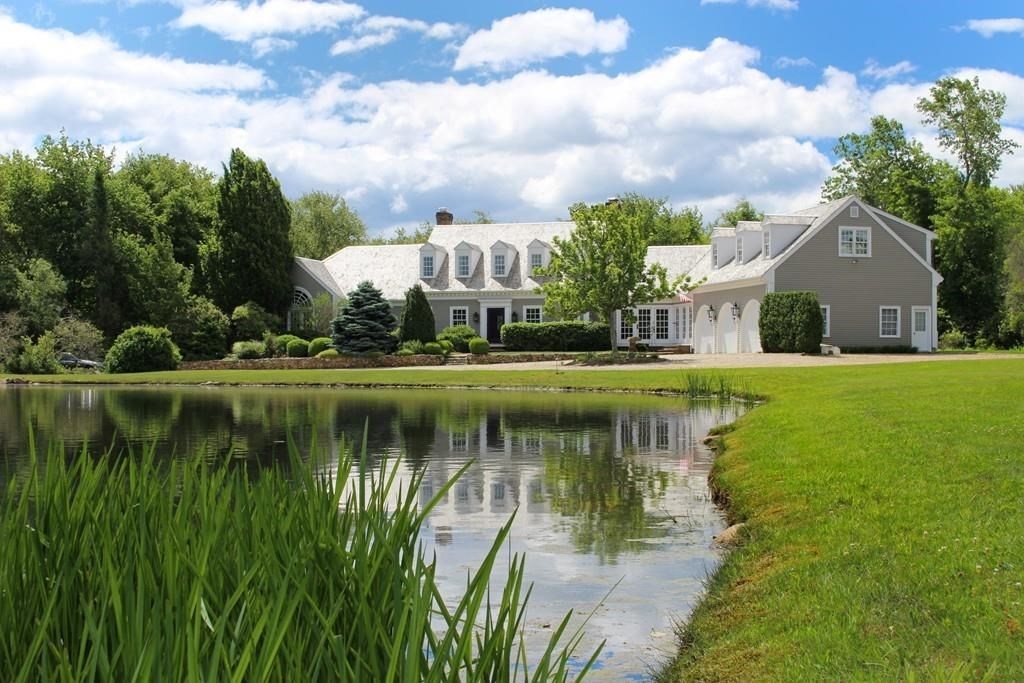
{"x": 611, "y": 490}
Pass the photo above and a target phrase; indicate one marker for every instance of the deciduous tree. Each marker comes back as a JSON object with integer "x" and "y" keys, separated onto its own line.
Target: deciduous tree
{"x": 662, "y": 224}
{"x": 323, "y": 223}
{"x": 743, "y": 211}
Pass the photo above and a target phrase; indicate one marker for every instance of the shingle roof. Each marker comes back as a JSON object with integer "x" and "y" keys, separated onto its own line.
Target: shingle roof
{"x": 319, "y": 271}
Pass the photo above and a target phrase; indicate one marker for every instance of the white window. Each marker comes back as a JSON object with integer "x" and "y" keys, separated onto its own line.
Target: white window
{"x": 428, "y": 266}
{"x": 826, "y": 321}
{"x": 854, "y": 211}
{"x": 687, "y": 322}
{"x": 643, "y": 323}
{"x": 625, "y": 329}
{"x": 855, "y": 242}
{"x": 459, "y": 315}
{"x": 714, "y": 254}
{"x": 766, "y": 244}
{"x": 499, "y": 265}
{"x": 463, "y": 261}
{"x": 536, "y": 261}
{"x": 739, "y": 249}
{"x": 889, "y": 321}
{"x": 531, "y": 314}
{"x": 661, "y": 323}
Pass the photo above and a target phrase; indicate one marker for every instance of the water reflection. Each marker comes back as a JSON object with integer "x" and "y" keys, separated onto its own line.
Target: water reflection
{"x": 605, "y": 487}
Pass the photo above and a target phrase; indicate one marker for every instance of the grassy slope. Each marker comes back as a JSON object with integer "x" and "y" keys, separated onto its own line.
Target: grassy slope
{"x": 884, "y": 509}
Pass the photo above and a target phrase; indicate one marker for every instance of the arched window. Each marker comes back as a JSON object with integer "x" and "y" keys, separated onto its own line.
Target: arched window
{"x": 300, "y": 298}
{"x": 302, "y": 304}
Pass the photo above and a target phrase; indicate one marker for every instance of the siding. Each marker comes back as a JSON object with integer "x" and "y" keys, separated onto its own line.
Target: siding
{"x": 855, "y": 288}
{"x": 914, "y": 239}
{"x": 739, "y": 296}
{"x": 301, "y": 278}
{"x": 442, "y": 309}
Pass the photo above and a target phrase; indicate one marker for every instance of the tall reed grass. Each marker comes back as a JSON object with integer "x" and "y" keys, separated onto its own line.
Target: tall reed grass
{"x": 128, "y": 569}
{"x": 696, "y": 384}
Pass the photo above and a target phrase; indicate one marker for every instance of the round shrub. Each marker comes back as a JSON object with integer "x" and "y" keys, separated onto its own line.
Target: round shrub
{"x": 433, "y": 349}
{"x": 250, "y": 321}
{"x": 298, "y": 348}
{"x": 202, "y": 332}
{"x": 319, "y": 344}
{"x": 479, "y": 346}
{"x": 404, "y": 352}
{"x": 446, "y": 345}
{"x": 953, "y": 339}
{"x": 282, "y": 342}
{"x": 459, "y": 336}
{"x": 328, "y": 353}
{"x": 413, "y": 346}
{"x": 143, "y": 349}
{"x": 245, "y": 350}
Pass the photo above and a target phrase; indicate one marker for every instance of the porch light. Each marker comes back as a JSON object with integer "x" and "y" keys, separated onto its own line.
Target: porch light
{"x": 476, "y": 316}
{"x": 515, "y": 317}
{"x": 735, "y": 311}
{"x": 711, "y": 314}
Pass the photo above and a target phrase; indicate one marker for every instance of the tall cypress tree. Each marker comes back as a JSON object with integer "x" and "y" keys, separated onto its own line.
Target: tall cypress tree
{"x": 417, "y": 317}
{"x": 365, "y": 323}
{"x": 250, "y": 255}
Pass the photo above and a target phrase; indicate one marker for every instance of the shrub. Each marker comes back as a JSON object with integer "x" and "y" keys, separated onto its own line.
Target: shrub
{"x": 413, "y": 346}
{"x": 12, "y": 335}
{"x": 245, "y": 350}
{"x": 143, "y": 349}
{"x": 250, "y": 321}
{"x": 366, "y": 322}
{"x": 281, "y": 344}
{"x": 328, "y": 353}
{"x": 39, "y": 358}
{"x": 270, "y": 345}
{"x": 202, "y": 333}
{"x": 319, "y": 344}
{"x": 404, "y": 352}
{"x": 953, "y": 339}
{"x": 459, "y": 336}
{"x": 568, "y": 335}
{"x": 479, "y": 346}
{"x": 790, "y": 322}
{"x": 79, "y": 337}
{"x": 417, "y": 317}
{"x": 298, "y": 348}
{"x": 446, "y": 346}
{"x": 433, "y": 349}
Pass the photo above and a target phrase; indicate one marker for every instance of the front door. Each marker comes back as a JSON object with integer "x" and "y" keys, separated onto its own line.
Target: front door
{"x": 921, "y": 330}
{"x": 495, "y": 321}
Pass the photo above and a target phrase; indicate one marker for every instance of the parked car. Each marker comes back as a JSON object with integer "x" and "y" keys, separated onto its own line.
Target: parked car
{"x": 70, "y": 360}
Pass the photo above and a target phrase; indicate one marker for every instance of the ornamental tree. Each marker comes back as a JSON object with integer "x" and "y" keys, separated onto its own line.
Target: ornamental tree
{"x": 365, "y": 323}
{"x": 601, "y": 267}
{"x": 417, "y": 317}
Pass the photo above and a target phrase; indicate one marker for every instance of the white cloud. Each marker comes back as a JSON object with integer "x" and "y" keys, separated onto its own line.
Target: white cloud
{"x": 261, "y": 47}
{"x": 990, "y": 27}
{"x": 243, "y": 23}
{"x": 348, "y": 45}
{"x": 872, "y": 69}
{"x": 539, "y": 35}
{"x": 785, "y": 5}
{"x": 788, "y": 62}
{"x": 398, "y": 204}
{"x": 376, "y": 31}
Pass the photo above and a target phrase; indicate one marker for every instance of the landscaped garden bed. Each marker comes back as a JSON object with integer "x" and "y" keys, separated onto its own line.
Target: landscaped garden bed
{"x": 335, "y": 363}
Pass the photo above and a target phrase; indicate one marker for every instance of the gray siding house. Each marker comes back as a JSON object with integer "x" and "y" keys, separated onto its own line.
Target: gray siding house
{"x": 872, "y": 272}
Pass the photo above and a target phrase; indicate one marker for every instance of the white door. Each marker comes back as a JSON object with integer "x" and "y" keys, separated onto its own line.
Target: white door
{"x": 921, "y": 330}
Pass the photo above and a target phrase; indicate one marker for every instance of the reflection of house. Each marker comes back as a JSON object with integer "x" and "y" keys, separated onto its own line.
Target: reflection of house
{"x": 872, "y": 273}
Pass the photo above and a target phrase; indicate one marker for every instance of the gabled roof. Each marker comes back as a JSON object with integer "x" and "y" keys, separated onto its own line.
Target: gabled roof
{"x": 392, "y": 268}
{"x": 319, "y": 272}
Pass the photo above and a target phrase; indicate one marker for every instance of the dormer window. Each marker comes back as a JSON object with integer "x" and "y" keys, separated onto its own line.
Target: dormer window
{"x": 536, "y": 261}
{"x": 463, "y": 265}
{"x": 538, "y": 253}
{"x": 714, "y": 254}
{"x": 503, "y": 255}
{"x": 427, "y": 266}
{"x": 499, "y": 265}
{"x": 766, "y": 245}
{"x": 467, "y": 256}
{"x": 739, "y": 249}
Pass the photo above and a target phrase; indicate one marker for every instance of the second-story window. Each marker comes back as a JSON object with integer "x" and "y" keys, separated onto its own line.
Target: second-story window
{"x": 428, "y": 266}
{"x": 714, "y": 254}
{"x": 463, "y": 265}
{"x": 739, "y": 250}
{"x": 536, "y": 261}
{"x": 499, "y": 265}
{"x": 766, "y": 246}
{"x": 854, "y": 242}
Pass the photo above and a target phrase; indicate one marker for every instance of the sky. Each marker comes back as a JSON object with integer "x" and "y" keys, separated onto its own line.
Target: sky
{"x": 516, "y": 109}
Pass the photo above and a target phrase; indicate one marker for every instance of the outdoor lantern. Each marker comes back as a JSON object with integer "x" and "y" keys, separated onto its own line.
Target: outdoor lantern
{"x": 735, "y": 311}
{"x": 476, "y": 316}
{"x": 711, "y": 314}
{"x": 515, "y": 317}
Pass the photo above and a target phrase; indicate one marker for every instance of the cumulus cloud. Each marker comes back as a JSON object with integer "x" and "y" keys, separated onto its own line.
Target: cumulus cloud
{"x": 990, "y": 27}
{"x": 542, "y": 34}
{"x": 785, "y": 5}
{"x": 242, "y": 23}
{"x": 872, "y": 69}
{"x": 261, "y": 47}
{"x": 376, "y": 31}
{"x": 788, "y": 62}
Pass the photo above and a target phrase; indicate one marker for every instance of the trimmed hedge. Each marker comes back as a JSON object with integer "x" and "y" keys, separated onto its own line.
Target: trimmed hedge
{"x": 319, "y": 344}
{"x": 328, "y": 353}
{"x": 433, "y": 349}
{"x": 245, "y": 350}
{"x": 458, "y": 336}
{"x": 143, "y": 349}
{"x": 478, "y": 346}
{"x": 790, "y": 322}
{"x": 298, "y": 348}
{"x": 568, "y": 335}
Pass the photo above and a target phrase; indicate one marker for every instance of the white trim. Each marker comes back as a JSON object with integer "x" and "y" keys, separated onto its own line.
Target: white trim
{"x": 853, "y": 245}
{"x": 913, "y": 311}
{"x": 458, "y": 265}
{"x": 451, "y": 314}
{"x": 854, "y": 211}
{"x": 731, "y": 284}
{"x": 331, "y": 289}
{"x": 493, "y": 303}
{"x": 423, "y": 268}
{"x": 926, "y": 231}
{"x": 539, "y": 307}
{"x": 827, "y": 332}
{"x": 935, "y": 310}
{"x": 899, "y": 322}
{"x": 899, "y": 239}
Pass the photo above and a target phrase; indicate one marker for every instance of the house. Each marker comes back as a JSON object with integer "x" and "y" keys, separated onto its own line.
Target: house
{"x": 872, "y": 273}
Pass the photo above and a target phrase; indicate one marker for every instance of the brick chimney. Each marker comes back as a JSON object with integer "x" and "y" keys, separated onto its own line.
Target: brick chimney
{"x": 444, "y": 216}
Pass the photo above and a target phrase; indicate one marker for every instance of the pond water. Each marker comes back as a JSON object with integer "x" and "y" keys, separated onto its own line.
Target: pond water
{"x": 609, "y": 488}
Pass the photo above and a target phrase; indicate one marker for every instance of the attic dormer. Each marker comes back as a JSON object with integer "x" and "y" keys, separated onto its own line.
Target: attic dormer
{"x": 467, "y": 258}
{"x": 502, "y": 256}
{"x": 538, "y": 255}
{"x": 723, "y": 246}
{"x": 432, "y": 258}
{"x": 748, "y": 241}
{"x": 780, "y": 231}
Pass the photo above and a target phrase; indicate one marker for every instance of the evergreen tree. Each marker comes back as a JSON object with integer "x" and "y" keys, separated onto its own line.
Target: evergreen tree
{"x": 249, "y": 255}
{"x": 366, "y": 322}
{"x": 417, "y": 317}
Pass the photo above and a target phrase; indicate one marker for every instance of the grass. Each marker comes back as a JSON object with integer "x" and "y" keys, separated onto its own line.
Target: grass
{"x": 883, "y": 509}
{"x": 120, "y": 569}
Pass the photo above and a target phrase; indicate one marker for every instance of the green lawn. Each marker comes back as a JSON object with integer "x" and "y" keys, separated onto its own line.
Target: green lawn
{"x": 885, "y": 510}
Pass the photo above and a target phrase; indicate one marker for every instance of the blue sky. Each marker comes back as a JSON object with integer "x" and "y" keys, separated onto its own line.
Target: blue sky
{"x": 516, "y": 109}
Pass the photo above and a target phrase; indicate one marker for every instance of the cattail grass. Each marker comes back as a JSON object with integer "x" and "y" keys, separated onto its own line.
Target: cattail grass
{"x": 133, "y": 569}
